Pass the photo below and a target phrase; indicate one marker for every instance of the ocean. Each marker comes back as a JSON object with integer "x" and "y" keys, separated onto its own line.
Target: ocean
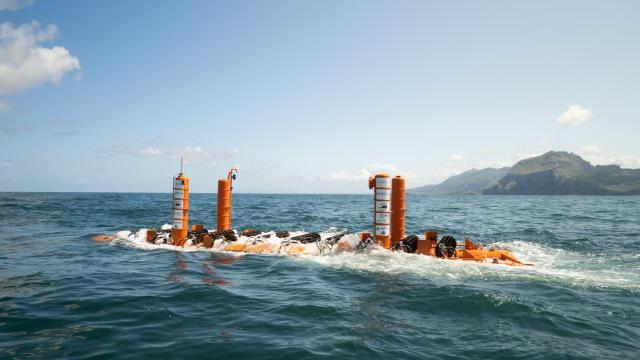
{"x": 63, "y": 295}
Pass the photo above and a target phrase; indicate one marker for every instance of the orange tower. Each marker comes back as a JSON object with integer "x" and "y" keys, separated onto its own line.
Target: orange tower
{"x": 381, "y": 183}
{"x": 397, "y": 206}
{"x": 180, "y": 208}
{"x": 225, "y": 186}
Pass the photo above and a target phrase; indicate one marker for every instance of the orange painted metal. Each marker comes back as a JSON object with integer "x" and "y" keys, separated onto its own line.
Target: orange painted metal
{"x": 504, "y": 257}
{"x": 151, "y": 235}
{"x": 425, "y": 246}
{"x": 468, "y": 251}
{"x": 365, "y": 236}
{"x": 381, "y": 185}
{"x": 397, "y": 209}
{"x": 180, "y": 227}
{"x": 431, "y": 235}
{"x": 235, "y": 247}
{"x": 102, "y": 238}
{"x": 260, "y": 248}
{"x": 224, "y": 205}
{"x": 207, "y": 241}
{"x": 225, "y": 186}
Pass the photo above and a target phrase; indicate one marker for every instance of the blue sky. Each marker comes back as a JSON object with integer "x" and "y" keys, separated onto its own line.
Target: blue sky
{"x": 308, "y": 96}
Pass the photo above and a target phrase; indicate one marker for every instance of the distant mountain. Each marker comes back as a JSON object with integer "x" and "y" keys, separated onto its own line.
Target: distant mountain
{"x": 563, "y": 173}
{"x": 470, "y": 182}
{"x": 554, "y": 173}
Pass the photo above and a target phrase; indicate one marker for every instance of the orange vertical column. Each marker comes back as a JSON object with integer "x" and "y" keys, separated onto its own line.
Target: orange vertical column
{"x": 180, "y": 227}
{"x": 224, "y": 204}
{"x": 381, "y": 183}
{"x": 225, "y": 187}
{"x": 397, "y": 209}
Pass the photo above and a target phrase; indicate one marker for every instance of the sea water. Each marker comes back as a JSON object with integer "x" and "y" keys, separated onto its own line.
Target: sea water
{"x": 62, "y": 295}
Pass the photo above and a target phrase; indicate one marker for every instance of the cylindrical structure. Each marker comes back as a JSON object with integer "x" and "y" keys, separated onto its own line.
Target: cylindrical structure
{"x": 382, "y": 209}
{"x": 180, "y": 210}
{"x": 224, "y": 204}
{"x": 397, "y": 206}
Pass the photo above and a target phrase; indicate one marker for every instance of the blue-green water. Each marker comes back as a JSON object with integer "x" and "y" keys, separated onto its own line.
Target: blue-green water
{"x": 64, "y": 295}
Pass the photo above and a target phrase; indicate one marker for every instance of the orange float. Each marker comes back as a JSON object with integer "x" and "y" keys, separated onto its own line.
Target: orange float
{"x": 467, "y": 251}
{"x": 225, "y": 186}
{"x": 397, "y": 209}
{"x": 103, "y": 238}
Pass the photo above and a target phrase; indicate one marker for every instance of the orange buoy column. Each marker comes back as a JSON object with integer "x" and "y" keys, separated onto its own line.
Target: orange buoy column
{"x": 224, "y": 201}
{"x": 397, "y": 209}
{"x": 381, "y": 183}
{"x": 224, "y": 204}
{"x": 180, "y": 210}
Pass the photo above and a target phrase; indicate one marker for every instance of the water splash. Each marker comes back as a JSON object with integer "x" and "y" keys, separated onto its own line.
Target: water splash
{"x": 551, "y": 265}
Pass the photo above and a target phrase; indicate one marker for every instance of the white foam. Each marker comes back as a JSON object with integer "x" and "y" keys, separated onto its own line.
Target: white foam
{"x": 549, "y": 264}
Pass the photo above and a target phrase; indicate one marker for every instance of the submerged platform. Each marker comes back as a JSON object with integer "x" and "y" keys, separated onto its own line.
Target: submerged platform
{"x": 313, "y": 243}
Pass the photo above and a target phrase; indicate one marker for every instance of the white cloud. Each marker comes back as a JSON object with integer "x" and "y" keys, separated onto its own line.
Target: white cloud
{"x": 198, "y": 154}
{"x": 522, "y": 156}
{"x": 435, "y": 175}
{"x": 456, "y": 157}
{"x": 84, "y": 181}
{"x": 386, "y": 168}
{"x": 365, "y": 173}
{"x": 575, "y": 115}
{"x": 189, "y": 153}
{"x": 5, "y": 163}
{"x": 25, "y": 64}
{"x": 14, "y": 5}
{"x": 151, "y": 151}
{"x": 361, "y": 175}
{"x": 591, "y": 149}
{"x": 598, "y": 156}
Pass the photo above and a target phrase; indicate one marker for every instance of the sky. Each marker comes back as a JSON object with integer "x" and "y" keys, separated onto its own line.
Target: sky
{"x": 308, "y": 96}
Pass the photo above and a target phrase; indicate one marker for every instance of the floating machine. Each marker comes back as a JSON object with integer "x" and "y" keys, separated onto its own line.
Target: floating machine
{"x": 445, "y": 247}
{"x": 388, "y": 229}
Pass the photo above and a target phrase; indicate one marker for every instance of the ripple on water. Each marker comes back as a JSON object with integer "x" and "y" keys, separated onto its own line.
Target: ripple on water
{"x": 62, "y": 295}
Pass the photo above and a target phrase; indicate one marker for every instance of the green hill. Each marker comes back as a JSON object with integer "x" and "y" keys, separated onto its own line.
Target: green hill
{"x": 563, "y": 173}
{"x": 554, "y": 173}
{"x": 470, "y": 182}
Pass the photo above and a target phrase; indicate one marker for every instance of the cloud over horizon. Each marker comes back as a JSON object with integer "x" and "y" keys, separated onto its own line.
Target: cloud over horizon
{"x": 197, "y": 154}
{"x": 597, "y": 156}
{"x": 575, "y": 115}
{"x": 151, "y": 151}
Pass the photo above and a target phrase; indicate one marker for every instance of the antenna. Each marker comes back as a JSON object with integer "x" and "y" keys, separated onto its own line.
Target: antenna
{"x": 180, "y": 165}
